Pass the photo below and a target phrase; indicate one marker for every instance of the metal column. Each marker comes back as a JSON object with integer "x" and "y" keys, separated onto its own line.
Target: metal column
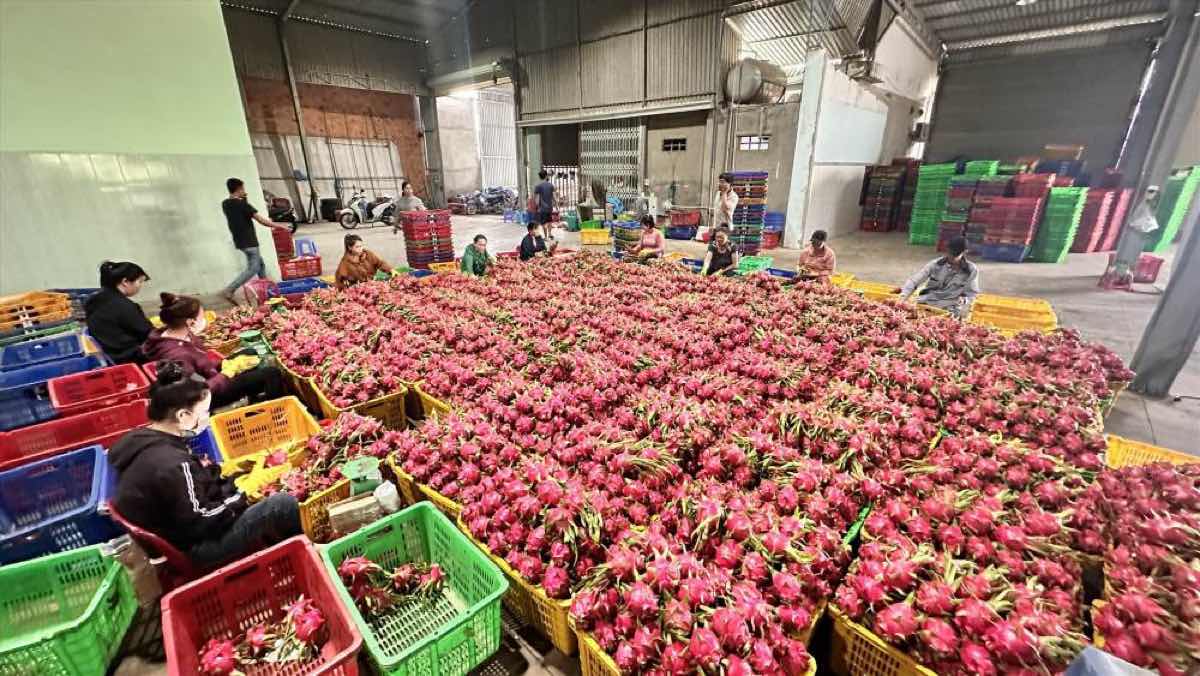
{"x": 314, "y": 207}
{"x": 435, "y": 185}
{"x": 1171, "y": 334}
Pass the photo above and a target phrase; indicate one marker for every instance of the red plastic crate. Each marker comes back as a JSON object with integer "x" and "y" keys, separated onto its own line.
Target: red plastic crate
{"x": 101, "y": 388}
{"x": 680, "y": 217}
{"x": 302, "y": 266}
{"x": 419, "y": 231}
{"x": 427, "y": 216}
{"x": 227, "y": 602}
{"x": 285, "y": 249}
{"x": 37, "y": 442}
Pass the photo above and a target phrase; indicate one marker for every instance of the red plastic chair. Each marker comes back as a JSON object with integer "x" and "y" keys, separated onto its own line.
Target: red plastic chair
{"x": 178, "y": 570}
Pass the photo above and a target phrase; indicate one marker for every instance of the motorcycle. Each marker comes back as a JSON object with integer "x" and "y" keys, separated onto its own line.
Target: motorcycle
{"x": 486, "y": 201}
{"x": 279, "y": 210}
{"x": 360, "y": 210}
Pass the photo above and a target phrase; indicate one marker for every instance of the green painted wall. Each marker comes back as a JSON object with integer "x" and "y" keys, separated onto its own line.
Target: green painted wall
{"x": 119, "y": 122}
{"x": 131, "y": 76}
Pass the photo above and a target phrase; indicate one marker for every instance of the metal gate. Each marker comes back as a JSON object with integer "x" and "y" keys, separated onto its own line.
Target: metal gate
{"x": 608, "y": 153}
{"x": 496, "y": 129}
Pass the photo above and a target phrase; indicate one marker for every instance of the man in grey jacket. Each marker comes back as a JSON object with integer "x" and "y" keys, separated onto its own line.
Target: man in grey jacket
{"x": 951, "y": 282}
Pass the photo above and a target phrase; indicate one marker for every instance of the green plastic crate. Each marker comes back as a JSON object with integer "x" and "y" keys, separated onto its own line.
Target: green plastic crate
{"x": 454, "y": 635}
{"x": 23, "y": 335}
{"x": 63, "y": 614}
{"x": 592, "y": 225}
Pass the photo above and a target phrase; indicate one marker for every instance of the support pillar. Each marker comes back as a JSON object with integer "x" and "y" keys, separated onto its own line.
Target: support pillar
{"x": 435, "y": 184}
{"x": 313, "y": 211}
{"x": 800, "y": 189}
{"x": 1171, "y": 335}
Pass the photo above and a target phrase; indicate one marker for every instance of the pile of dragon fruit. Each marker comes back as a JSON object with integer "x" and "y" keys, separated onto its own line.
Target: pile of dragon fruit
{"x": 1152, "y": 614}
{"x": 682, "y": 457}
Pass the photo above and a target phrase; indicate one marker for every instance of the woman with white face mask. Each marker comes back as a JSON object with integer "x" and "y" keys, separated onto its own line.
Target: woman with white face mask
{"x": 179, "y": 340}
{"x": 164, "y": 488}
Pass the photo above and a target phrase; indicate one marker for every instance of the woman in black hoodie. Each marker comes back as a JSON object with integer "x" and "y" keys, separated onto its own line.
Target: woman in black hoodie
{"x": 115, "y": 321}
{"x": 165, "y": 489}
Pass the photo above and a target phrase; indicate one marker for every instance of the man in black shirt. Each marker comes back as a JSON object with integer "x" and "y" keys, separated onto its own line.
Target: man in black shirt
{"x": 238, "y": 214}
{"x": 534, "y": 244}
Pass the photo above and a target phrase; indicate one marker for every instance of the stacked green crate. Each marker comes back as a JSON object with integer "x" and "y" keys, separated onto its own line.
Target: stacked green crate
{"x": 1177, "y": 196}
{"x": 1060, "y": 221}
{"x": 982, "y": 168}
{"x": 932, "y": 182}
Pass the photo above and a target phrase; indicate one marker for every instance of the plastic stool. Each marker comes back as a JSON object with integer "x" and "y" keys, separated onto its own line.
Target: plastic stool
{"x": 509, "y": 215}
{"x": 305, "y": 247}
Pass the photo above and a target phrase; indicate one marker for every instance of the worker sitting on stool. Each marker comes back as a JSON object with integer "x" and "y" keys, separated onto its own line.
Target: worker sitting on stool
{"x": 722, "y": 256}
{"x": 951, "y": 282}
{"x": 534, "y": 244}
{"x": 651, "y": 244}
{"x": 817, "y": 261}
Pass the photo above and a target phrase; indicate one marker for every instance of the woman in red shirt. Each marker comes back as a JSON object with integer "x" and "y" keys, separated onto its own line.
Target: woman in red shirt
{"x": 652, "y": 244}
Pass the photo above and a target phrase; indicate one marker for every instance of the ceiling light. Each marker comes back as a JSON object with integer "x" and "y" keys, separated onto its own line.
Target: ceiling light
{"x": 1025, "y": 3}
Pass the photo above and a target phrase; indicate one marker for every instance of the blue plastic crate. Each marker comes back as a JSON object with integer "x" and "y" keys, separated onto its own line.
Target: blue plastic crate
{"x": 1005, "y": 253}
{"x": 24, "y": 409}
{"x": 302, "y": 285}
{"x": 52, "y": 505}
{"x": 692, "y": 262}
{"x": 304, "y": 246}
{"x": 421, "y": 273}
{"x": 681, "y": 231}
{"x": 18, "y": 381}
{"x": 786, "y": 274}
{"x": 81, "y": 294}
{"x": 617, "y": 255}
{"x": 40, "y": 351}
{"x": 205, "y": 444}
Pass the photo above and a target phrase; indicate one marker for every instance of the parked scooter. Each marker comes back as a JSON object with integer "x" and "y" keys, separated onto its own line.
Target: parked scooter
{"x": 279, "y": 210}
{"x": 360, "y": 210}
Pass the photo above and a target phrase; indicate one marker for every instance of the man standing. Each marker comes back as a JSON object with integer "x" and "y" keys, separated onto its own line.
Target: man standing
{"x": 238, "y": 214}
{"x": 724, "y": 204}
{"x": 951, "y": 282}
{"x": 544, "y": 192}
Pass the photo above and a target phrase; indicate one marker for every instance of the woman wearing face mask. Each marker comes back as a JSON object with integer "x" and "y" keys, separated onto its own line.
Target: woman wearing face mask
{"x": 115, "y": 321}
{"x": 165, "y": 489}
{"x": 179, "y": 340}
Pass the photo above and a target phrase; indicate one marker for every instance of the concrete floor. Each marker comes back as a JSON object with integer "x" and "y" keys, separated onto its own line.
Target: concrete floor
{"x": 1114, "y": 318}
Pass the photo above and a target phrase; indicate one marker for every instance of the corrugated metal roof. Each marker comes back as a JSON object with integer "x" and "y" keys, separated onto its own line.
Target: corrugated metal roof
{"x": 1060, "y": 43}
{"x": 783, "y": 32}
{"x": 964, "y": 23}
{"x": 412, "y": 19}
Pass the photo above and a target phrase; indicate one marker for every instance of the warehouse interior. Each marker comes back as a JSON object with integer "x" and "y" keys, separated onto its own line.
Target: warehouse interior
{"x": 121, "y": 121}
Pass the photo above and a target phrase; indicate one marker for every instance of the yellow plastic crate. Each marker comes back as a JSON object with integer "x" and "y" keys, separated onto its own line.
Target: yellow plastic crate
{"x": 673, "y": 256}
{"x": 225, "y": 348}
{"x": 874, "y": 290}
{"x": 549, "y": 616}
{"x": 404, "y": 481}
{"x": 420, "y": 404}
{"x": 262, "y": 428}
{"x": 300, "y": 386}
{"x": 1124, "y": 452}
{"x": 1010, "y": 324}
{"x": 448, "y": 266}
{"x": 314, "y": 512}
{"x": 842, "y": 279}
{"x": 387, "y": 409}
{"x": 857, "y": 651}
{"x": 594, "y": 237}
{"x": 1015, "y": 306}
{"x": 593, "y": 661}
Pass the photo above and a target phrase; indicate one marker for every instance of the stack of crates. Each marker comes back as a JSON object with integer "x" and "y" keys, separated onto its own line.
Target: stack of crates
{"x": 1173, "y": 205}
{"x": 959, "y": 197}
{"x": 1060, "y": 222}
{"x": 773, "y": 224}
{"x": 1032, "y": 185}
{"x": 427, "y": 237}
{"x": 625, "y": 235}
{"x": 881, "y": 198}
{"x": 1097, "y": 210}
{"x": 751, "y": 189}
{"x": 1112, "y": 230}
{"x": 1010, "y": 225}
{"x": 933, "y": 180}
{"x": 908, "y": 191}
{"x": 993, "y": 186}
